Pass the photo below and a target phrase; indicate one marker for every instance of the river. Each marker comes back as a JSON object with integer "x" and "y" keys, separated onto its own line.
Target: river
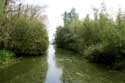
{"x": 54, "y": 73}
{"x": 58, "y": 66}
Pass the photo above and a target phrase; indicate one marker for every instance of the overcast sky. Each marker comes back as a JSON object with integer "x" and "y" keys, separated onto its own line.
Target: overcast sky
{"x": 55, "y": 8}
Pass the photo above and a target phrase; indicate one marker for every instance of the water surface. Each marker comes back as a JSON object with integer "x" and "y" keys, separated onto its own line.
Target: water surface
{"x": 25, "y": 70}
{"x": 60, "y": 66}
{"x": 76, "y": 69}
{"x": 54, "y": 73}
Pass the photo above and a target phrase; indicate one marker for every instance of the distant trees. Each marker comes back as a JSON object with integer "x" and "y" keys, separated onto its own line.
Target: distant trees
{"x": 70, "y": 17}
{"x": 65, "y": 37}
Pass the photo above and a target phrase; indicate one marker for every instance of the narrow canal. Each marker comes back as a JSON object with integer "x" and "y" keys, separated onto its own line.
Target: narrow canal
{"x": 54, "y": 73}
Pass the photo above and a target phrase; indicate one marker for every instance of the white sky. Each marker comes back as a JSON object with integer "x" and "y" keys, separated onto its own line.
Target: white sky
{"x": 55, "y": 8}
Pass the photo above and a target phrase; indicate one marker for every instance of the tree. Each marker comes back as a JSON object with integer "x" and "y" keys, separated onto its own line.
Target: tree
{"x": 69, "y": 17}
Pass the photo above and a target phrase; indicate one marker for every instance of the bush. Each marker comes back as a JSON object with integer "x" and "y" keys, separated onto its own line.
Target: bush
{"x": 65, "y": 39}
{"x": 24, "y": 36}
{"x": 29, "y": 37}
{"x": 101, "y": 54}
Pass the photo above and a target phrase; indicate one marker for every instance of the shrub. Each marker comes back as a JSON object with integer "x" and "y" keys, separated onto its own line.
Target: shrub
{"x": 24, "y": 36}
{"x": 101, "y": 54}
{"x": 65, "y": 39}
{"x": 29, "y": 37}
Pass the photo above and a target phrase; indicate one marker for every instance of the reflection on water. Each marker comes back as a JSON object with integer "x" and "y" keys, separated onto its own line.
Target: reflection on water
{"x": 54, "y": 73}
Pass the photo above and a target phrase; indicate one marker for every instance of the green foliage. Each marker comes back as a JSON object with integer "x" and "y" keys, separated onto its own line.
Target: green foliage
{"x": 5, "y": 53}
{"x": 101, "y": 40}
{"x": 23, "y": 36}
{"x": 5, "y": 56}
{"x": 23, "y": 33}
{"x": 65, "y": 39}
{"x": 70, "y": 17}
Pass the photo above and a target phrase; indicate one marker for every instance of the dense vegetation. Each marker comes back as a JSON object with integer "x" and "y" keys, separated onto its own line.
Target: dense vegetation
{"x": 24, "y": 36}
{"x": 22, "y": 31}
{"x": 100, "y": 40}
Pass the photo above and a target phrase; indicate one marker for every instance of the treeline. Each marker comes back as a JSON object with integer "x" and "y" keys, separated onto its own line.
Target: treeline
{"x": 22, "y": 29}
{"x": 100, "y": 40}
